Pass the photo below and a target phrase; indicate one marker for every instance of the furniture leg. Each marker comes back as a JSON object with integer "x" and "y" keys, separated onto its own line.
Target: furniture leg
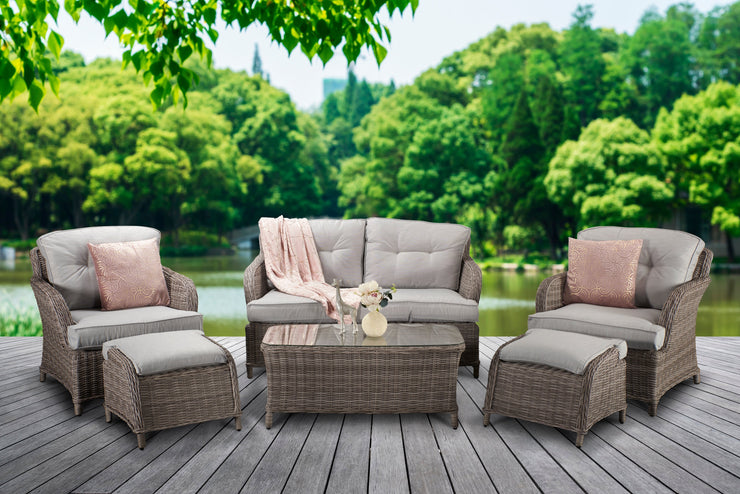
{"x": 454, "y": 420}
{"x": 697, "y": 378}
{"x": 622, "y": 416}
{"x": 238, "y": 422}
{"x": 653, "y": 409}
{"x": 268, "y": 419}
{"x": 42, "y": 376}
{"x": 108, "y": 417}
{"x": 249, "y": 371}
{"x": 141, "y": 440}
{"x": 486, "y": 419}
{"x": 476, "y": 369}
{"x": 579, "y": 439}
{"x": 78, "y": 409}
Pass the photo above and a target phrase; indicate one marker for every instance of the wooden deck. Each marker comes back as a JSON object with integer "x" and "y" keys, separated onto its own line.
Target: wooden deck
{"x": 693, "y": 445}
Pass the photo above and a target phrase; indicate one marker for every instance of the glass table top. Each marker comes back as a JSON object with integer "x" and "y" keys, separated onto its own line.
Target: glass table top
{"x": 329, "y": 335}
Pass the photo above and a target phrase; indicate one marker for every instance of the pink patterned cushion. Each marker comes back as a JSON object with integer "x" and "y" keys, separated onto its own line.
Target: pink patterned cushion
{"x": 602, "y": 272}
{"x": 129, "y": 274}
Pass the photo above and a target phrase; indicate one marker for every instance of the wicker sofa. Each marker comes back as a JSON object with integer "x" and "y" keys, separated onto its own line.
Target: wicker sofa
{"x": 429, "y": 263}
{"x": 74, "y": 327}
{"x": 672, "y": 276}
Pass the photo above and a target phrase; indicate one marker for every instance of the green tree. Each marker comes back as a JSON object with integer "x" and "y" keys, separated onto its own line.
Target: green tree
{"x": 582, "y": 64}
{"x": 612, "y": 175}
{"x": 660, "y": 59}
{"x": 159, "y": 37}
{"x": 700, "y": 138}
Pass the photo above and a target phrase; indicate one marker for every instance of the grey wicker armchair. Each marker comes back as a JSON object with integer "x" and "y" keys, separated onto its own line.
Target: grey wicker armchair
{"x": 72, "y": 336}
{"x": 651, "y": 372}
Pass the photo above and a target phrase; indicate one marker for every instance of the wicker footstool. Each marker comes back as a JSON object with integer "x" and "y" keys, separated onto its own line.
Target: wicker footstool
{"x": 162, "y": 380}
{"x": 560, "y": 379}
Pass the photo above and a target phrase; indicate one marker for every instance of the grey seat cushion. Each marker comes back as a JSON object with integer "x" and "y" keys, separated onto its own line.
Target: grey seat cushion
{"x": 94, "y": 327}
{"x": 638, "y": 327}
{"x": 69, "y": 266}
{"x": 668, "y": 258}
{"x": 414, "y": 254}
{"x": 430, "y": 305}
{"x": 341, "y": 245}
{"x": 408, "y": 305}
{"x": 560, "y": 349}
{"x": 164, "y": 352}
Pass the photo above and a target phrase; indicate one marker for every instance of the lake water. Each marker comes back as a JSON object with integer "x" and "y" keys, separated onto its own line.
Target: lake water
{"x": 507, "y": 299}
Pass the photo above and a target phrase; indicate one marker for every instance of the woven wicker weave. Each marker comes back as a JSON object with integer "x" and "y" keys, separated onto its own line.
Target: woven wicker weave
{"x": 169, "y": 399}
{"x": 650, "y": 373}
{"x": 362, "y": 379}
{"x": 556, "y": 397}
{"x": 255, "y": 287}
{"x": 81, "y": 371}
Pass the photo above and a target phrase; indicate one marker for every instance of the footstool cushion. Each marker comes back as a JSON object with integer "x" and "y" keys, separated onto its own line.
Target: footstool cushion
{"x": 162, "y": 380}
{"x": 560, "y": 379}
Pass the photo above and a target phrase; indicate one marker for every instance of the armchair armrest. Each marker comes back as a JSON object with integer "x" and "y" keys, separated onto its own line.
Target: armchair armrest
{"x": 471, "y": 279}
{"x": 55, "y": 315}
{"x": 550, "y": 293}
{"x": 183, "y": 295}
{"x": 255, "y": 279}
{"x": 678, "y": 315}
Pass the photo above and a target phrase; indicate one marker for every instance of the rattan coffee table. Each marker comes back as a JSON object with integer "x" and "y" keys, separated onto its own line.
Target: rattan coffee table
{"x": 315, "y": 369}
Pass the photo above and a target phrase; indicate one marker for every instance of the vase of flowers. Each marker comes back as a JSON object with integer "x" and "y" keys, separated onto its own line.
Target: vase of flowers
{"x": 373, "y": 297}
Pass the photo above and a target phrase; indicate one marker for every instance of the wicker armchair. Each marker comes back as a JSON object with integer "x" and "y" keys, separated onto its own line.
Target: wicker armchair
{"x": 81, "y": 370}
{"x": 651, "y": 373}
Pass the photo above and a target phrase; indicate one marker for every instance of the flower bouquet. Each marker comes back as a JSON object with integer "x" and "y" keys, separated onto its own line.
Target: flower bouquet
{"x": 373, "y": 297}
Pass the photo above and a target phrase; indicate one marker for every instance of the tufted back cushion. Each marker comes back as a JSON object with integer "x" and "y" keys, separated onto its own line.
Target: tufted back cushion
{"x": 414, "y": 254}
{"x": 69, "y": 265}
{"x": 668, "y": 258}
{"x": 341, "y": 245}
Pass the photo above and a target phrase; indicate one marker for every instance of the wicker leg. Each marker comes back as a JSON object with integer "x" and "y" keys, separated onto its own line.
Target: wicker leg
{"x": 268, "y": 419}
{"x": 697, "y": 378}
{"x": 579, "y": 439}
{"x": 108, "y": 417}
{"x": 454, "y": 420}
{"x": 476, "y": 369}
{"x": 78, "y": 408}
{"x": 238, "y": 422}
{"x": 249, "y": 371}
{"x": 141, "y": 440}
{"x": 42, "y": 376}
{"x": 653, "y": 409}
{"x": 486, "y": 419}
{"x": 622, "y": 416}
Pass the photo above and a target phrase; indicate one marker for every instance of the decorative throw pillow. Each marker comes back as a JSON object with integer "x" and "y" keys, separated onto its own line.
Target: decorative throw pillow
{"x": 129, "y": 274}
{"x": 602, "y": 272}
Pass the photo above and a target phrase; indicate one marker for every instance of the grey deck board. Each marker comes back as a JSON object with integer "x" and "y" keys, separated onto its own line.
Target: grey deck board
{"x": 311, "y": 470}
{"x": 277, "y": 463}
{"x": 387, "y": 462}
{"x": 424, "y": 461}
{"x": 349, "y": 473}
{"x": 693, "y": 445}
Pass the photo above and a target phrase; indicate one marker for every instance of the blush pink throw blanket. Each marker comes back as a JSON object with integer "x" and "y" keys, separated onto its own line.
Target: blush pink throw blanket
{"x": 293, "y": 265}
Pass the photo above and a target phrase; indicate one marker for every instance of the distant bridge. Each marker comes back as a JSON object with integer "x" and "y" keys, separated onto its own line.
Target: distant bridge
{"x": 245, "y": 238}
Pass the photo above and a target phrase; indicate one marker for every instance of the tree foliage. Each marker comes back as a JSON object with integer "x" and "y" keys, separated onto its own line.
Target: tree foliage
{"x": 700, "y": 138}
{"x": 159, "y": 37}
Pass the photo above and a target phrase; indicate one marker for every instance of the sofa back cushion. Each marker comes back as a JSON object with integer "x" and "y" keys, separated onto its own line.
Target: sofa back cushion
{"x": 341, "y": 245}
{"x": 668, "y": 258}
{"x": 69, "y": 265}
{"x": 414, "y": 254}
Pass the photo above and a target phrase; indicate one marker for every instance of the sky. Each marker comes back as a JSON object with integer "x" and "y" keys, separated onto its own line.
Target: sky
{"x": 419, "y": 42}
